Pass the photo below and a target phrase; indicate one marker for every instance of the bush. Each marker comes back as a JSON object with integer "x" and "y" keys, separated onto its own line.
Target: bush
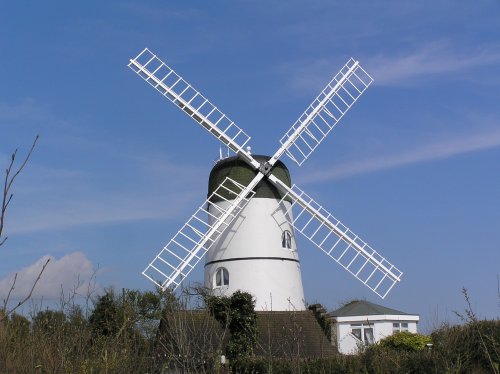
{"x": 105, "y": 318}
{"x": 406, "y": 341}
{"x": 66, "y": 342}
{"x": 49, "y": 321}
{"x": 260, "y": 365}
{"x": 469, "y": 347}
{"x": 237, "y": 313}
{"x": 378, "y": 359}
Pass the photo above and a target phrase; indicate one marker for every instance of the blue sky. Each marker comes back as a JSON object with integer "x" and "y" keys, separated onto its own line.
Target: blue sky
{"x": 413, "y": 168}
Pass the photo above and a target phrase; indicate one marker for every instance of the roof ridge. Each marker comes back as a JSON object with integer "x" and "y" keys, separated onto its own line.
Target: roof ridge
{"x": 364, "y": 307}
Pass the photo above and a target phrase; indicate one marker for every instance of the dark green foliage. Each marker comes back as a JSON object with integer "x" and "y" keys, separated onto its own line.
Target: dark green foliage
{"x": 148, "y": 304}
{"x": 260, "y": 365}
{"x": 66, "y": 341}
{"x": 382, "y": 360}
{"x": 21, "y": 325}
{"x": 220, "y": 308}
{"x": 19, "y": 322}
{"x": 105, "y": 318}
{"x": 116, "y": 338}
{"x": 237, "y": 313}
{"x": 406, "y": 341}
{"x": 49, "y": 321}
{"x": 76, "y": 318}
{"x": 133, "y": 310}
{"x": 403, "y": 352}
{"x": 470, "y": 346}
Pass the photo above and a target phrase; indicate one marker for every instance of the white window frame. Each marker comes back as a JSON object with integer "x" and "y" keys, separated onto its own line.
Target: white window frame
{"x": 364, "y": 330}
{"x": 399, "y": 327}
{"x": 221, "y": 277}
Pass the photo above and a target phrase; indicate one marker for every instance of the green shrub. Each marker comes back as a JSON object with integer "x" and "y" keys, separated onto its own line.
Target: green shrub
{"x": 261, "y": 365}
{"x": 106, "y": 318}
{"x": 49, "y": 321}
{"x": 403, "y": 352}
{"x": 469, "y": 347}
{"x": 237, "y": 313}
{"x": 381, "y": 360}
{"x": 406, "y": 341}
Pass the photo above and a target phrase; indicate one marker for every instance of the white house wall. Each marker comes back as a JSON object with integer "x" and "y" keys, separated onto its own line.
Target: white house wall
{"x": 381, "y": 324}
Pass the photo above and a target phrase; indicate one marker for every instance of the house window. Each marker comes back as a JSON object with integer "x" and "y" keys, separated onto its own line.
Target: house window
{"x": 286, "y": 239}
{"x": 399, "y": 326}
{"x": 221, "y": 277}
{"x": 363, "y": 332}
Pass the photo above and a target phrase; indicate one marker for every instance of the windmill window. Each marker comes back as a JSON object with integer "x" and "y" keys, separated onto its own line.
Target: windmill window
{"x": 221, "y": 277}
{"x": 286, "y": 239}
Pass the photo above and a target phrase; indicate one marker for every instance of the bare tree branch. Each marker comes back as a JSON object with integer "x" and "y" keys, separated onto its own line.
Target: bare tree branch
{"x": 470, "y": 317}
{"x": 6, "y": 301}
{"x": 7, "y": 185}
{"x": 6, "y": 313}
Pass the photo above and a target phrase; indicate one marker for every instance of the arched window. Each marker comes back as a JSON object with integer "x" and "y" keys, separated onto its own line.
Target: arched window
{"x": 221, "y": 277}
{"x": 286, "y": 239}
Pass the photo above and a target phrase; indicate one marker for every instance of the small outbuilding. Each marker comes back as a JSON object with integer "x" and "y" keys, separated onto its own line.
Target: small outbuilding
{"x": 361, "y": 322}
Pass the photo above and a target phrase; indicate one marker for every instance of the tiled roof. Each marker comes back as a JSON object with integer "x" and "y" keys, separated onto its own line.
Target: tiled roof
{"x": 281, "y": 334}
{"x": 292, "y": 334}
{"x": 364, "y": 308}
{"x": 190, "y": 333}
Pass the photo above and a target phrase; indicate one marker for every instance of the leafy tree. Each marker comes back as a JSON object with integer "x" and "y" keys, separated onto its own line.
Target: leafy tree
{"x": 134, "y": 312}
{"x": 237, "y": 313}
{"x": 105, "y": 318}
{"x": 19, "y": 323}
{"x": 76, "y": 317}
{"x": 49, "y": 321}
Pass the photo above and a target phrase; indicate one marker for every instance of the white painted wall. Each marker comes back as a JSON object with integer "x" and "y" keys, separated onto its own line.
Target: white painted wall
{"x": 257, "y": 232}
{"x": 381, "y": 324}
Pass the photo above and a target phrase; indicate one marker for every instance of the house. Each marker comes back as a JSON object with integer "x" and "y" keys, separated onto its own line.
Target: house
{"x": 361, "y": 322}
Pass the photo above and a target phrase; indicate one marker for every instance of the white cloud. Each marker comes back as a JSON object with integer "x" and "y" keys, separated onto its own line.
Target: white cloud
{"x": 428, "y": 61}
{"x": 65, "y": 213}
{"x": 413, "y": 67}
{"x": 72, "y": 270}
{"x": 439, "y": 150}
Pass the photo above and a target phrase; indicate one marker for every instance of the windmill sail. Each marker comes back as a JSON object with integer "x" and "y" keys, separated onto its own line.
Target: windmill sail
{"x": 325, "y": 112}
{"x": 172, "y": 86}
{"x": 338, "y": 242}
{"x": 176, "y": 260}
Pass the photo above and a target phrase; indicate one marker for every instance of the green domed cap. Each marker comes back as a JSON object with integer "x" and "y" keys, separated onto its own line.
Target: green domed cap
{"x": 238, "y": 170}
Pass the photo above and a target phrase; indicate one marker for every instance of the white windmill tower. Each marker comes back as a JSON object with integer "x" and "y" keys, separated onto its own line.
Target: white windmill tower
{"x": 246, "y": 226}
{"x": 257, "y": 253}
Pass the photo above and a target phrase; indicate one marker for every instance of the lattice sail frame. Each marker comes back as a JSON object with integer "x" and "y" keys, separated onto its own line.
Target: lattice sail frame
{"x": 183, "y": 252}
{"x": 325, "y": 111}
{"x": 338, "y": 242}
{"x": 172, "y": 86}
{"x": 298, "y": 143}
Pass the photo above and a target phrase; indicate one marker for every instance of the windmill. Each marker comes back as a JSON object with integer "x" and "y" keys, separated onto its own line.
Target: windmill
{"x": 247, "y": 224}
